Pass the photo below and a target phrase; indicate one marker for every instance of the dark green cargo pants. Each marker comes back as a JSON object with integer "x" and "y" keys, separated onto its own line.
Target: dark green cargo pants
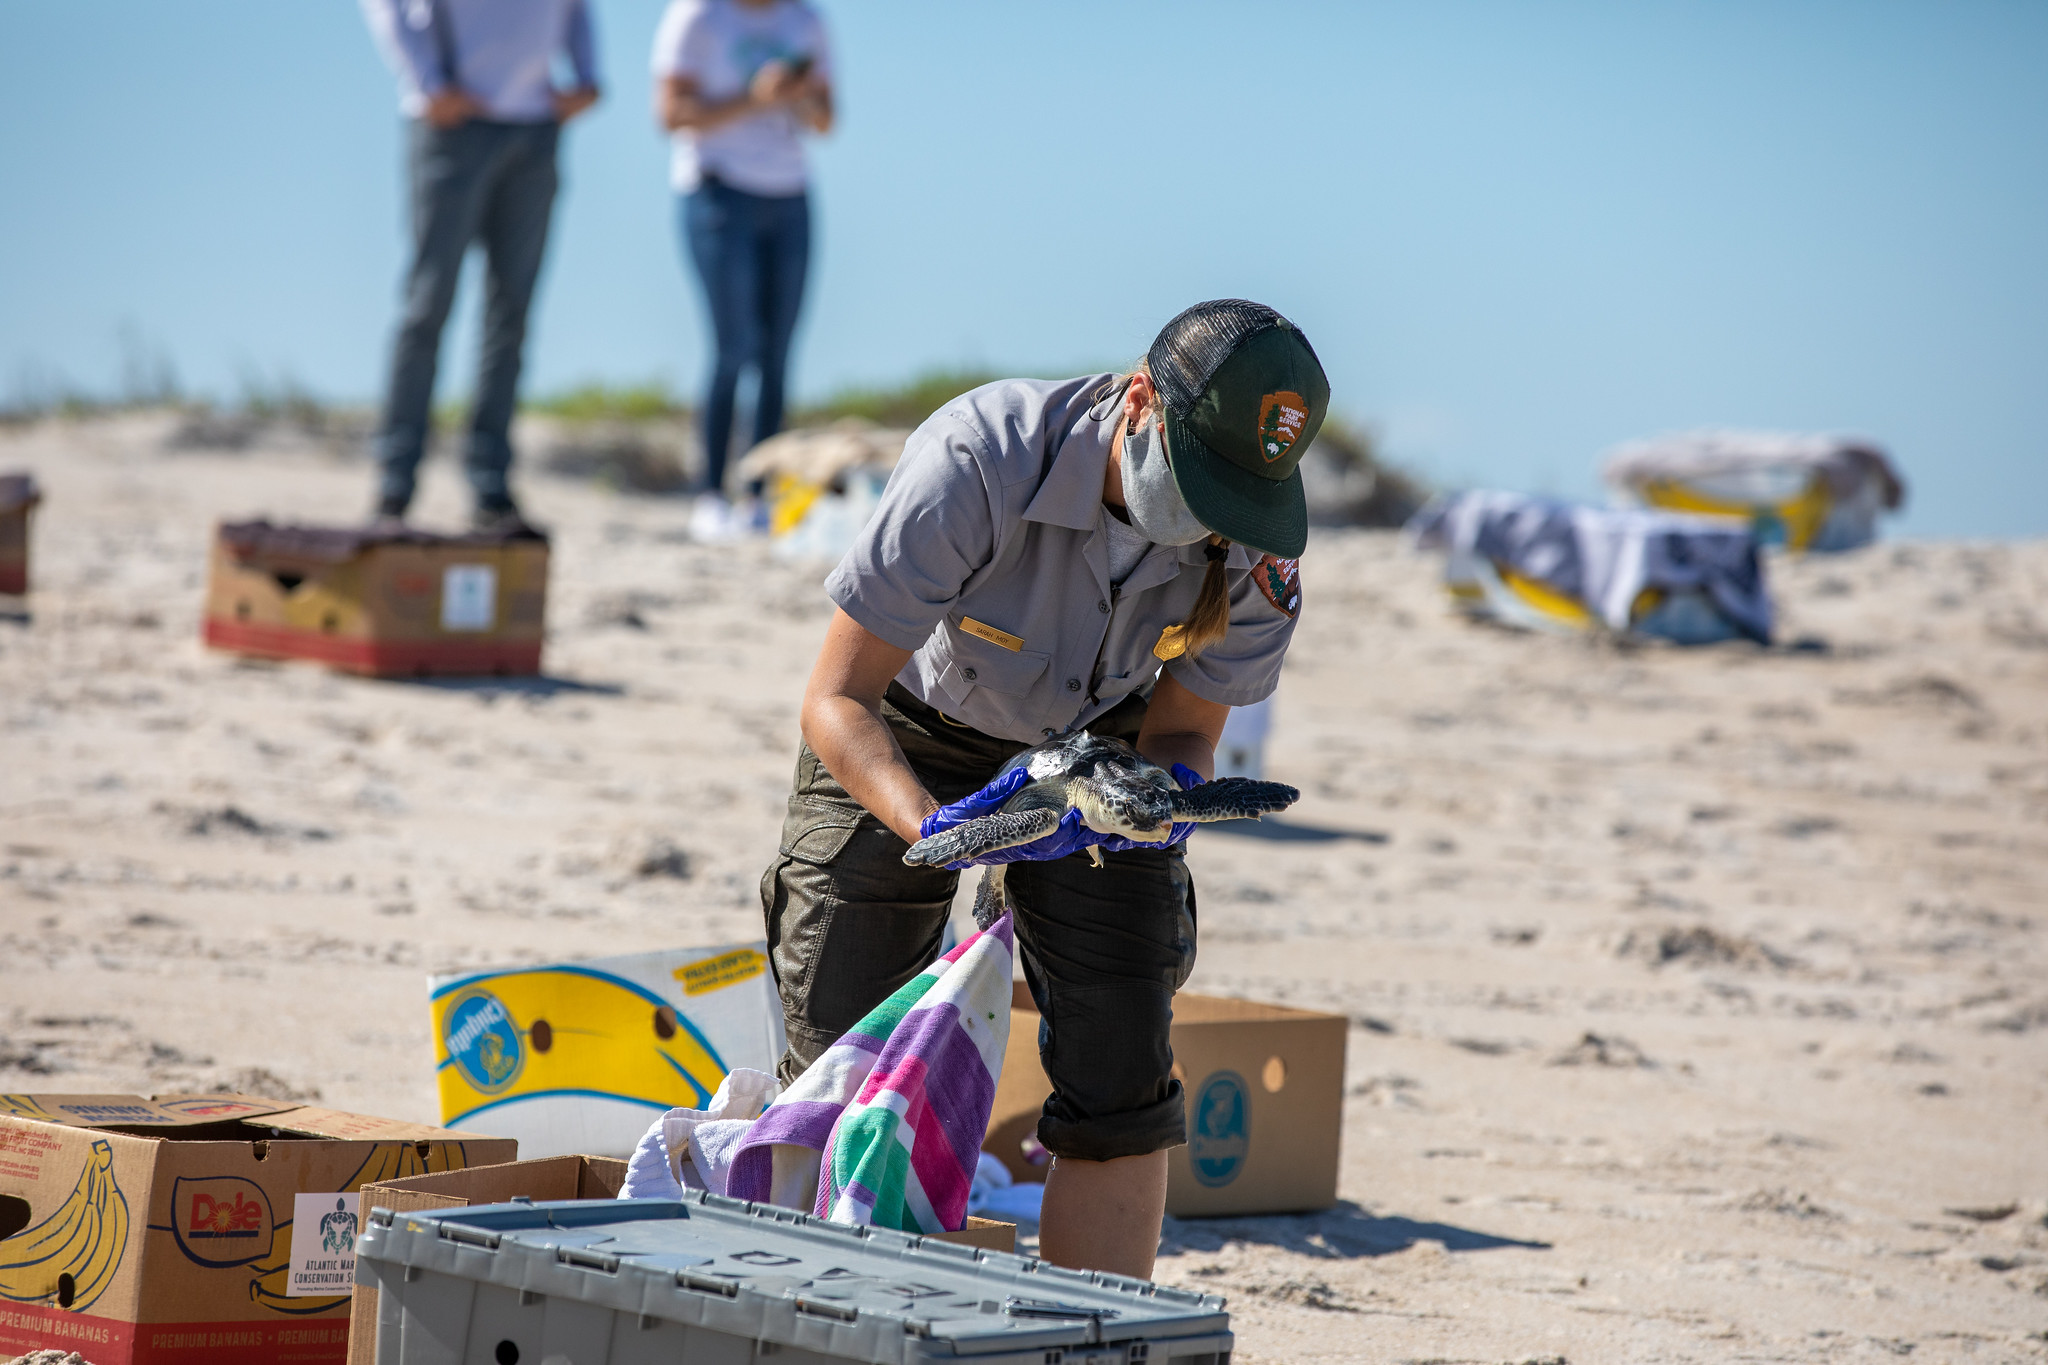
{"x": 1104, "y": 949}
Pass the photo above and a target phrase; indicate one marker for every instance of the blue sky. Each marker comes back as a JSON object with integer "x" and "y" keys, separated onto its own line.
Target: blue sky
{"x": 1517, "y": 233}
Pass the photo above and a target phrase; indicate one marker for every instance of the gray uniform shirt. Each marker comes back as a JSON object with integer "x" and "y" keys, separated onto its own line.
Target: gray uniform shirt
{"x": 988, "y": 557}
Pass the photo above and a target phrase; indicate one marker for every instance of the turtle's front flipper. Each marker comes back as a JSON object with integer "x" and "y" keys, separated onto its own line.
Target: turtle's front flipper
{"x": 990, "y": 900}
{"x": 1232, "y": 798}
{"x": 1004, "y": 829}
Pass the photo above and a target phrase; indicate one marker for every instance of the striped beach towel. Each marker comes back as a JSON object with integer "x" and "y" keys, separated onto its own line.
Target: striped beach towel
{"x": 885, "y": 1128}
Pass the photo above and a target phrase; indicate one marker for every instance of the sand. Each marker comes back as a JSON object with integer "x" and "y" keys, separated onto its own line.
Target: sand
{"x": 1698, "y": 996}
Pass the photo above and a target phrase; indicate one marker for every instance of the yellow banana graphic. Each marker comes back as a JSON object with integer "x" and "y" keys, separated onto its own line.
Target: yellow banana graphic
{"x": 387, "y": 1161}
{"x": 504, "y": 1037}
{"x": 1798, "y": 519}
{"x": 71, "y": 1257}
{"x": 26, "y": 1107}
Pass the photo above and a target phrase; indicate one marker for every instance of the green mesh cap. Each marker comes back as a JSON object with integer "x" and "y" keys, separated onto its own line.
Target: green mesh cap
{"x": 1244, "y": 396}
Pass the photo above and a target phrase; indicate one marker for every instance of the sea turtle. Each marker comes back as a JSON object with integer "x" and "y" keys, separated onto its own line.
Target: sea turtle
{"x": 1116, "y": 790}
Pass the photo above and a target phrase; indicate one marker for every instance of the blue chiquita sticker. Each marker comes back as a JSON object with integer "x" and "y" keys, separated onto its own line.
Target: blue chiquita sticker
{"x": 1222, "y": 1135}
{"x": 483, "y": 1041}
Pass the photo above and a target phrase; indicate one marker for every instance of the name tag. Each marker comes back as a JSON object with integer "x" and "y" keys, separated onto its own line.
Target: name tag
{"x": 991, "y": 634}
{"x": 1172, "y": 644}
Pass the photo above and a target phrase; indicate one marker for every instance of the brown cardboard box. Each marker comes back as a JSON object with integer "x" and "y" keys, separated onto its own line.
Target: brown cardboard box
{"x": 389, "y": 604}
{"x": 148, "y": 1232}
{"x": 554, "y": 1177}
{"x": 18, "y": 499}
{"x": 1265, "y": 1099}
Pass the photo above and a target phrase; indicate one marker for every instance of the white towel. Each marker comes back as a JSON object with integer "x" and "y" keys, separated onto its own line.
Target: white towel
{"x": 692, "y": 1148}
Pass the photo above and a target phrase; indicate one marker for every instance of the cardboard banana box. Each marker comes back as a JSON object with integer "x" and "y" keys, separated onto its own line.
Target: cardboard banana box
{"x": 573, "y": 1057}
{"x": 399, "y": 603}
{"x": 18, "y": 498}
{"x": 1264, "y": 1090}
{"x": 196, "y": 1229}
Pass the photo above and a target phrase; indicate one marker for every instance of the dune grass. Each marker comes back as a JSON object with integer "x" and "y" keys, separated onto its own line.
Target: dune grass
{"x": 890, "y": 405}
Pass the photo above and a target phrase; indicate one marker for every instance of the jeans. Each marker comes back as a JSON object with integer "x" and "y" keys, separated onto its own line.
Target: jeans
{"x": 482, "y": 182}
{"x": 751, "y": 253}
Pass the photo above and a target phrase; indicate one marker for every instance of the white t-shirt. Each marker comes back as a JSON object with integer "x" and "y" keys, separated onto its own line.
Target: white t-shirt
{"x": 721, "y": 44}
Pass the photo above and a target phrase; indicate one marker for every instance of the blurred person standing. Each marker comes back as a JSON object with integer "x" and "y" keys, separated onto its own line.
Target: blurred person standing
{"x": 476, "y": 82}
{"x": 737, "y": 82}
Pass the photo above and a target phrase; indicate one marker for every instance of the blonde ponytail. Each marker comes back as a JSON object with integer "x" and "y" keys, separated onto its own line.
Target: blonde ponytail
{"x": 1208, "y": 621}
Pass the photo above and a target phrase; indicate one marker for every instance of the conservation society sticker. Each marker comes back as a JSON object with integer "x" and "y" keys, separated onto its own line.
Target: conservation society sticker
{"x": 323, "y": 1245}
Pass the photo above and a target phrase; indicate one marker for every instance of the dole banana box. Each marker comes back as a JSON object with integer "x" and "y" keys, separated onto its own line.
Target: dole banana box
{"x": 193, "y": 1229}
{"x": 578, "y": 1057}
{"x": 388, "y": 603}
{"x": 1263, "y": 1087}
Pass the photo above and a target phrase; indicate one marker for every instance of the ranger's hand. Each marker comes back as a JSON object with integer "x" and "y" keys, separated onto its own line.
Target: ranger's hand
{"x": 1071, "y": 837}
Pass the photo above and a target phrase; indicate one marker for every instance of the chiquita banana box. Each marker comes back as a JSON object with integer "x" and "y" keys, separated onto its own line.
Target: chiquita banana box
{"x": 583, "y": 1056}
{"x": 195, "y": 1229}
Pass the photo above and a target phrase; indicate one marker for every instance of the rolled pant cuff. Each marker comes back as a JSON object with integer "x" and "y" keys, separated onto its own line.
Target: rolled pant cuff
{"x": 1136, "y": 1132}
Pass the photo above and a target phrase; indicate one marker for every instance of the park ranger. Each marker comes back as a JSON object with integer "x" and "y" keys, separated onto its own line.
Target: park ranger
{"x": 1115, "y": 552}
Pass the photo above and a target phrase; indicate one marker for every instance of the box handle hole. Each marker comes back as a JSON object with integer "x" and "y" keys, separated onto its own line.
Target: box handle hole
{"x": 507, "y": 1353}
{"x": 67, "y": 1290}
{"x": 13, "y": 1215}
{"x": 1273, "y": 1075}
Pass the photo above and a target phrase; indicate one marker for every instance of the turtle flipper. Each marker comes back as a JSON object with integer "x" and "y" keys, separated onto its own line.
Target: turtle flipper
{"x": 1232, "y": 798}
{"x": 990, "y": 900}
{"x": 1004, "y": 829}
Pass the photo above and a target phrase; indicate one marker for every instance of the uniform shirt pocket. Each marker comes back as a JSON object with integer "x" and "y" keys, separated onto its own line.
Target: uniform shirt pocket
{"x": 967, "y": 662}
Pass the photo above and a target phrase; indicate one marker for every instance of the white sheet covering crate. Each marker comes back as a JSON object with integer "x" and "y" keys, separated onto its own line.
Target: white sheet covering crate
{"x": 712, "y": 1280}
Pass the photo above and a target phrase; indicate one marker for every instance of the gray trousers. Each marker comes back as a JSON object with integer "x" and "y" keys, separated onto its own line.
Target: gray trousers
{"x": 483, "y": 183}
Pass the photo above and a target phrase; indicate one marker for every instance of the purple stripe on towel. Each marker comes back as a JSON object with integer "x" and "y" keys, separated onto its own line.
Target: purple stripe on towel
{"x": 957, "y": 1085}
{"x": 800, "y": 1123}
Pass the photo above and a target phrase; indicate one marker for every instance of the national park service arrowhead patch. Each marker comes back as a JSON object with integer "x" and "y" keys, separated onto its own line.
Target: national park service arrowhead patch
{"x": 1281, "y": 416}
{"x": 1280, "y": 581}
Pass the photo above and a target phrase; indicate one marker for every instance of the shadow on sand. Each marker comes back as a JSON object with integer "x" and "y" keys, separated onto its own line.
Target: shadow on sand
{"x": 528, "y": 686}
{"x": 1286, "y": 832}
{"x": 1343, "y": 1232}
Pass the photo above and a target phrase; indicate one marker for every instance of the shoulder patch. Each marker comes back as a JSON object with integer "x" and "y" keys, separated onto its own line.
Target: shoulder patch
{"x": 1280, "y": 581}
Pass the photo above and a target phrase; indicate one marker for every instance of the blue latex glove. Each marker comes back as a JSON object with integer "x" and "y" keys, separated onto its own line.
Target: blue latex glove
{"x": 1071, "y": 837}
{"x": 1176, "y": 833}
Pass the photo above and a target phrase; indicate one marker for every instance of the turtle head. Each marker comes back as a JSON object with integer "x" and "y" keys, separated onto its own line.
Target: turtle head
{"x": 1119, "y": 801}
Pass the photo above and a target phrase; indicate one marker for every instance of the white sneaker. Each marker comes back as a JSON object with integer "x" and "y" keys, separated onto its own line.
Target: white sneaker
{"x": 711, "y": 520}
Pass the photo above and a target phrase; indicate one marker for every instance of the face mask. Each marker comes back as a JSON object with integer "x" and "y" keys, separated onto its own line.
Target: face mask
{"x": 1155, "y": 505}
